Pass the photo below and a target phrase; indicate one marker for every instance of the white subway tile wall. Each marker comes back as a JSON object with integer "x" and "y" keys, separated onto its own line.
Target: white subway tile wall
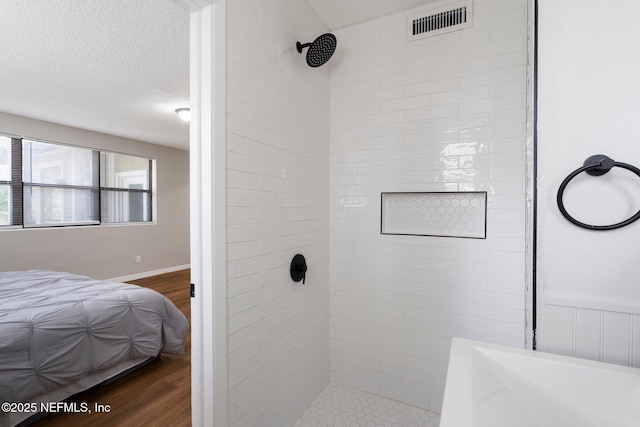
{"x": 278, "y": 206}
{"x": 445, "y": 113}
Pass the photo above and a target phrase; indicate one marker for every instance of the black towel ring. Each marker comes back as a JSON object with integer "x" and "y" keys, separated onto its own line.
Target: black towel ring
{"x": 595, "y": 166}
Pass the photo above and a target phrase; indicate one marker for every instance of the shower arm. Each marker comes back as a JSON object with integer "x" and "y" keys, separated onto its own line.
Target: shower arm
{"x": 301, "y": 46}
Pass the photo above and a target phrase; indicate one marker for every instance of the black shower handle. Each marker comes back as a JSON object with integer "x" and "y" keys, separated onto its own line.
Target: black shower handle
{"x": 298, "y": 269}
{"x": 302, "y": 269}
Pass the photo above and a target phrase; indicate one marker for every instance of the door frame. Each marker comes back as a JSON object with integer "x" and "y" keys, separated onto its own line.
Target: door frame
{"x": 208, "y": 208}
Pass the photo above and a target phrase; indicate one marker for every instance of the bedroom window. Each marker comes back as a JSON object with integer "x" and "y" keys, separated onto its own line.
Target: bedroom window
{"x": 60, "y": 184}
{"x": 5, "y": 180}
{"x": 125, "y": 187}
{"x": 10, "y": 181}
{"x": 45, "y": 184}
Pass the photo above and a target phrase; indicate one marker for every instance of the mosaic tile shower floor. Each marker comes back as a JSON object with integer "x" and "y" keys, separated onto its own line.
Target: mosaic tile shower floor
{"x": 341, "y": 406}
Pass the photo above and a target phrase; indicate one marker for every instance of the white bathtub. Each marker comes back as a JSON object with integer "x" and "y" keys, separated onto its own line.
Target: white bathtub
{"x": 496, "y": 386}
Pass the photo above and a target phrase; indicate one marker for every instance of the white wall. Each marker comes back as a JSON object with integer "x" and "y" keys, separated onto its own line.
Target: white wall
{"x": 106, "y": 251}
{"x": 442, "y": 114}
{"x": 277, "y": 197}
{"x": 588, "y": 103}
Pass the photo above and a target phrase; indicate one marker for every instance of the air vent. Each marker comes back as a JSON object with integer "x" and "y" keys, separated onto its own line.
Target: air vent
{"x": 427, "y": 23}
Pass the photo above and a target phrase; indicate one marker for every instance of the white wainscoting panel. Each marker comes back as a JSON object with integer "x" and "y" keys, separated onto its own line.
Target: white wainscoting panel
{"x": 606, "y": 335}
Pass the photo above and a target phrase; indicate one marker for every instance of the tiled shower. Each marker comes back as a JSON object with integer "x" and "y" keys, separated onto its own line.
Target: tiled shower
{"x": 440, "y": 114}
{"x": 309, "y": 153}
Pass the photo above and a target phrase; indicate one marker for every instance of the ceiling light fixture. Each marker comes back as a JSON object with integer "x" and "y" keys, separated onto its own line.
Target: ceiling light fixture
{"x": 184, "y": 114}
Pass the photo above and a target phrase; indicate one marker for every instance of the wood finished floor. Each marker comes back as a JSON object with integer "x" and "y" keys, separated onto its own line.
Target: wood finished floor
{"x": 158, "y": 394}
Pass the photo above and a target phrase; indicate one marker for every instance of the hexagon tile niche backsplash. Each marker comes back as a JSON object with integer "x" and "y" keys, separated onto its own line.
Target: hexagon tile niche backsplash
{"x": 450, "y": 214}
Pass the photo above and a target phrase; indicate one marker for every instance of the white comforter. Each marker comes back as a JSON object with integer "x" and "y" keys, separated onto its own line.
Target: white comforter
{"x": 57, "y": 327}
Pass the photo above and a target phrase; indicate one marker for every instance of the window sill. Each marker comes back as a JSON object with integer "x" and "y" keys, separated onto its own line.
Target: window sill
{"x": 75, "y": 226}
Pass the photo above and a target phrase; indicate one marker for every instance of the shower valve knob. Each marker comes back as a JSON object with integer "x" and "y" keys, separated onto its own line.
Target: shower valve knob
{"x": 298, "y": 268}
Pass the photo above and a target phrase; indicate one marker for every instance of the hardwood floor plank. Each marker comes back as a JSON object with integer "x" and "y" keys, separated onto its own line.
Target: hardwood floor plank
{"x": 158, "y": 394}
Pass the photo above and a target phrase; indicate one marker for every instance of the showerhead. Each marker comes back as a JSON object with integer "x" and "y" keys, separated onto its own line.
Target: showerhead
{"x": 320, "y": 50}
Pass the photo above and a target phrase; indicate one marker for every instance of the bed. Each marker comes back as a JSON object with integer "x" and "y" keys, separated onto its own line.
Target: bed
{"x": 63, "y": 333}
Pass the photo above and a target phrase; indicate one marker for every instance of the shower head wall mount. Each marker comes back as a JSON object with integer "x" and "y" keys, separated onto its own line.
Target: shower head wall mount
{"x": 320, "y": 50}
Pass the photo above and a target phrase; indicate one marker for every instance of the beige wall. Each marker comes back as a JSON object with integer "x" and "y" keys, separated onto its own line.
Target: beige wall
{"x": 105, "y": 251}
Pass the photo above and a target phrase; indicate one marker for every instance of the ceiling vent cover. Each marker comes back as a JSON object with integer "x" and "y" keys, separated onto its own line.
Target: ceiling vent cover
{"x": 428, "y": 23}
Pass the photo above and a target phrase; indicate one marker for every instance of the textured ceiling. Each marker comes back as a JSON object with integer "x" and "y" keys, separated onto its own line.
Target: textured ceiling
{"x": 341, "y": 13}
{"x": 114, "y": 66}
{"x": 117, "y": 66}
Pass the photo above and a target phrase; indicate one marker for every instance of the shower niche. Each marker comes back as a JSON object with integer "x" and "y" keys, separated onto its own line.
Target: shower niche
{"x": 444, "y": 214}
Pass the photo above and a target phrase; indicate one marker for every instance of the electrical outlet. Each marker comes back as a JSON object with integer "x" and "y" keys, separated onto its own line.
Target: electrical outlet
{"x": 138, "y": 259}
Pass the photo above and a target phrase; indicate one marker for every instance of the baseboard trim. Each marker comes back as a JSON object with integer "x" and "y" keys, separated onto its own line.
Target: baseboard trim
{"x": 146, "y": 274}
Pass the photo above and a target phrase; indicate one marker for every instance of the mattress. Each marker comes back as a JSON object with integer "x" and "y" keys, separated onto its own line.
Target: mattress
{"x": 58, "y": 328}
